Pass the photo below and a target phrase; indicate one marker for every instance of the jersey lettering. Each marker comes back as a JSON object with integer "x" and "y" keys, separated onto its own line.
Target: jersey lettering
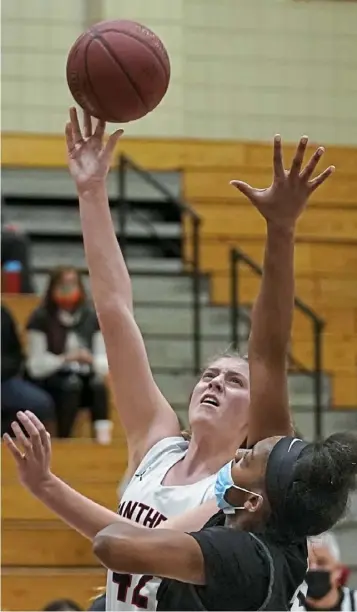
{"x": 141, "y": 513}
{"x": 142, "y": 503}
{"x": 124, "y": 582}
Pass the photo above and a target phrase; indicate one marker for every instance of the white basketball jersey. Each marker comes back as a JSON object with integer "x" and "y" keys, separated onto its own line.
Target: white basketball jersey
{"x": 147, "y": 502}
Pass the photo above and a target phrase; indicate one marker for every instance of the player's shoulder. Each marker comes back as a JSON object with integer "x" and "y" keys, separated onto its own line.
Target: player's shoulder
{"x": 163, "y": 451}
{"x": 217, "y": 538}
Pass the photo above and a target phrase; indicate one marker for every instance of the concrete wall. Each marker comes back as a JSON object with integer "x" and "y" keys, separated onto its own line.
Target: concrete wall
{"x": 241, "y": 69}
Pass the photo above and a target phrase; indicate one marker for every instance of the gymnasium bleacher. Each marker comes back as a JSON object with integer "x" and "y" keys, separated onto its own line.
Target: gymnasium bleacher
{"x": 41, "y": 558}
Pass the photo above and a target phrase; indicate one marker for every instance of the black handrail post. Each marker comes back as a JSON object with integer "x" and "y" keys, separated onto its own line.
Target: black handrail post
{"x": 318, "y": 386}
{"x": 122, "y": 204}
{"x": 235, "y": 323}
{"x": 196, "y": 310}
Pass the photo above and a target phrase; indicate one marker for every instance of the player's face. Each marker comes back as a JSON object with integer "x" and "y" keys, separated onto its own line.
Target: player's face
{"x": 221, "y": 397}
{"x": 248, "y": 470}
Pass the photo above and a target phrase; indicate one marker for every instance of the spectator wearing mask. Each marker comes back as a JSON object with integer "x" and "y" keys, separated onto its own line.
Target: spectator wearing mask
{"x": 66, "y": 354}
{"x": 17, "y": 393}
{"x": 325, "y": 578}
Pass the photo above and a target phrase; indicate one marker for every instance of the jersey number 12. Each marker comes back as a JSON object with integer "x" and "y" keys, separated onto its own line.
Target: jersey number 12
{"x": 124, "y": 583}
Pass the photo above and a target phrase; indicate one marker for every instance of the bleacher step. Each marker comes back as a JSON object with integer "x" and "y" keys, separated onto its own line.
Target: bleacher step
{"x": 48, "y": 254}
{"x": 44, "y": 544}
{"x": 83, "y": 460}
{"x": 155, "y": 281}
{"x": 60, "y": 220}
{"x": 31, "y": 589}
{"x": 50, "y": 182}
{"x": 18, "y": 504}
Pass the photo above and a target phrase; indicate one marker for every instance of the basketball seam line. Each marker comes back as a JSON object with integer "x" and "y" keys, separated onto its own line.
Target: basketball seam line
{"x": 89, "y": 89}
{"x": 103, "y": 42}
{"x": 89, "y": 80}
{"x": 139, "y": 40}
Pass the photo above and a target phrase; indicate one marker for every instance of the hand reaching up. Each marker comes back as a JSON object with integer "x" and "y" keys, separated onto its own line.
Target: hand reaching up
{"x": 33, "y": 454}
{"x": 89, "y": 158}
{"x": 283, "y": 202}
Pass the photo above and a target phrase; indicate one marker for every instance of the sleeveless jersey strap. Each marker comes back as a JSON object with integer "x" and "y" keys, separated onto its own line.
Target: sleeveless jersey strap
{"x": 271, "y": 571}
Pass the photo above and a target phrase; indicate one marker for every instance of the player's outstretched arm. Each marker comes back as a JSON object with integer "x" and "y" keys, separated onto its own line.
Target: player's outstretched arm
{"x": 281, "y": 204}
{"x": 82, "y": 514}
{"x": 144, "y": 412}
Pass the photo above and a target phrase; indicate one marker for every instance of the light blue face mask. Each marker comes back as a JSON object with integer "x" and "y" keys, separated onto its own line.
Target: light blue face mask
{"x": 224, "y": 482}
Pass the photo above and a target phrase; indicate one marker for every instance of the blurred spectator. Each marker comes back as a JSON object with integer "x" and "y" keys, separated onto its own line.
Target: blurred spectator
{"x": 17, "y": 393}
{"x": 15, "y": 246}
{"x": 325, "y": 578}
{"x": 98, "y": 604}
{"x": 66, "y": 354}
{"x": 65, "y": 605}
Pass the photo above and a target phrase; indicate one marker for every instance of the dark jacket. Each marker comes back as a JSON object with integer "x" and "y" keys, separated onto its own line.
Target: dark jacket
{"x": 11, "y": 352}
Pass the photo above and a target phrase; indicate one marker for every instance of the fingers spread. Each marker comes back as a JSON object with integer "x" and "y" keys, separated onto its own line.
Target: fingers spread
{"x": 298, "y": 158}
{"x": 100, "y": 129}
{"x": 87, "y": 124}
{"x": 16, "y": 453}
{"x": 44, "y": 435}
{"x": 69, "y": 136}
{"x": 244, "y": 188}
{"x": 76, "y": 129}
{"x": 311, "y": 165}
{"x": 112, "y": 141}
{"x": 33, "y": 432}
{"x": 21, "y": 439}
{"x": 278, "y": 158}
{"x": 316, "y": 182}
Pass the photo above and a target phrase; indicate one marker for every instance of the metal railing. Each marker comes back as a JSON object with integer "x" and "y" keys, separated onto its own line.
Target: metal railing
{"x": 192, "y": 262}
{"x": 236, "y": 258}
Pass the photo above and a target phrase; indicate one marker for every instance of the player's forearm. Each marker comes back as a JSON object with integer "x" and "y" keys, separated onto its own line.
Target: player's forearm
{"x": 110, "y": 281}
{"x": 82, "y": 514}
{"x": 89, "y": 518}
{"x": 272, "y": 315}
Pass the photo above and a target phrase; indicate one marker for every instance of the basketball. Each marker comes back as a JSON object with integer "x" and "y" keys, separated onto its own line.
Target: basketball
{"x": 118, "y": 71}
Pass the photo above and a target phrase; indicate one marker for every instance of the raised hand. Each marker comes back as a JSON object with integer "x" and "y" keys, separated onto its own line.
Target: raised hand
{"x": 33, "y": 454}
{"x": 283, "y": 202}
{"x": 89, "y": 157}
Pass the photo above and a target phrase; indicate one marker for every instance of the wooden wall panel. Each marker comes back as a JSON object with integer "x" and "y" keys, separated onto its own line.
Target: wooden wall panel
{"x": 214, "y": 184}
{"x": 32, "y": 589}
{"x": 236, "y": 219}
{"x": 45, "y": 544}
{"x": 48, "y": 151}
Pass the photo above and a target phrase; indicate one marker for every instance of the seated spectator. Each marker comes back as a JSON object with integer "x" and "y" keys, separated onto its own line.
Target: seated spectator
{"x": 62, "y": 605}
{"x": 15, "y": 246}
{"x": 17, "y": 393}
{"x": 66, "y": 354}
{"x": 98, "y": 603}
{"x": 325, "y": 590}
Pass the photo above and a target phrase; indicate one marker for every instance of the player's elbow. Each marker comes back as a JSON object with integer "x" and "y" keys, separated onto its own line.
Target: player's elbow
{"x": 108, "y": 550}
{"x": 102, "y": 547}
{"x": 115, "y": 551}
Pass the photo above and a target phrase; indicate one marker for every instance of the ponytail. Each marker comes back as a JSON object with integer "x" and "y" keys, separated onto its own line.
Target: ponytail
{"x": 324, "y": 476}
